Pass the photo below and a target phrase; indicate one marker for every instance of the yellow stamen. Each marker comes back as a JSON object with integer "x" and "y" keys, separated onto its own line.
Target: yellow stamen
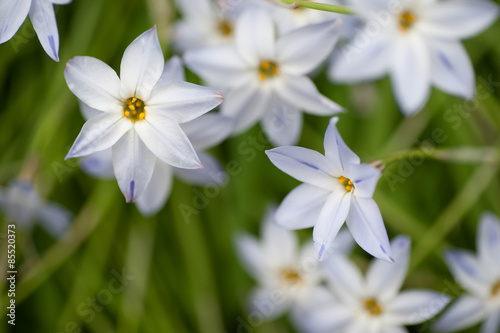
{"x": 134, "y": 109}
{"x": 496, "y": 289}
{"x": 406, "y": 20}
{"x": 291, "y": 276}
{"x": 225, "y": 28}
{"x": 349, "y": 186}
{"x": 268, "y": 69}
{"x": 372, "y": 306}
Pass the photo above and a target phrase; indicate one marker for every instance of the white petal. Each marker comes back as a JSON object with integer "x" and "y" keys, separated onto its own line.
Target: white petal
{"x": 173, "y": 71}
{"x": 336, "y": 150}
{"x": 467, "y": 271}
{"x": 99, "y": 164}
{"x": 367, "y": 227}
{"x": 302, "y": 50}
{"x": 415, "y": 306}
{"x": 301, "y": 207}
{"x": 208, "y": 130}
{"x": 55, "y": 218}
{"x": 282, "y": 124}
{"x": 195, "y": 8}
{"x": 221, "y": 66}
{"x": 451, "y": 68}
{"x": 488, "y": 241}
{"x": 246, "y": 105}
{"x": 183, "y": 101}
{"x": 410, "y": 73}
{"x": 157, "y": 191}
{"x": 358, "y": 61}
{"x": 344, "y": 242}
{"x": 364, "y": 178}
{"x": 12, "y": 15}
{"x": 267, "y": 303}
{"x": 61, "y": 2}
{"x": 87, "y": 111}
{"x": 43, "y": 18}
{"x": 368, "y": 8}
{"x": 255, "y": 36}
{"x": 332, "y": 217}
{"x": 463, "y": 313}
{"x": 395, "y": 329}
{"x": 94, "y": 83}
{"x": 492, "y": 324}
{"x": 250, "y": 255}
{"x": 133, "y": 163}
{"x": 333, "y": 317}
{"x": 279, "y": 244}
{"x": 164, "y": 137}
{"x": 345, "y": 278}
{"x": 142, "y": 65}
{"x": 458, "y": 19}
{"x": 212, "y": 172}
{"x": 384, "y": 279}
{"x": 301, "y": 93}
{"x": 304, "y": 164}
{"x": 99, "y": 133}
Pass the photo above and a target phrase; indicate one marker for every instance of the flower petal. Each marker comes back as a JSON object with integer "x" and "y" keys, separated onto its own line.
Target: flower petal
{"x": 282, "y": 124}
{"x": 94, "y": 83}
{"x": 304, "y": 164}
{"x": 301, "y": 207}
{"x": 87, "y": 111}
{"x": 157, "y": 191}
{"x": 492, "y": 324}
{"x": 99, "y": 164}
{"x": 451, "y": 68}
{"x": 43, "y": 18}
{"x": 333, "y": 317}
{"x": 12, "y": 15}
{"x": 173, "y": 71}
{"x": 410, "y": 73}
{"x": 133, "y": 163}
{"x": 384, "y": 279}
{"x": 465, "y": 312}
{"x": 302, "y": 50}
{"x": 279, "y": 245}
{"x": 331, "y": 219}
{"x": 345, "y": 279}
{"x": 336, "y": 150}
{"x": 467, "y": 271}
{"x": 99, "y": 133}
{"x": 250, "y": 254}
{"x": 208, "y": 130}
{"x": 212, "y": 172}
{"x": 364, "y": 178}
{"x": 458, "y": 19}
{"x": 142, "y": 66}
{"x": 268, "y": 302}
{"x": 301, "y": 93}
{"x": 164, "y": 137}
{"x": 415, "y": 306}
{"x": 255, "y": 36}
{"x": 367, "y": 227}
{"x": 488, "y": 242}
{"x": 183, "y": 101}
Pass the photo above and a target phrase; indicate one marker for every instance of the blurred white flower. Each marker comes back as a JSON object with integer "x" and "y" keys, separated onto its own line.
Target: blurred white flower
{"x": 264, "y": 77}
{"x": 373, "y": 304}
{"x": 287, "y": 276}
{"x": 337, "y": 188}
{"x": 23, "y": 206}
{"x": 480, "y": 276}
{"x": 418, "y": 44}
{"x": 42, "y": 16}
{"x": 140, "y": 113}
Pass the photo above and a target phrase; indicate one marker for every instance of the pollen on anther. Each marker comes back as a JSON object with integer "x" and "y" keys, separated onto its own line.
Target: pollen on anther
{"x": 134, "y": 109}
{"x": 268, "y": 69}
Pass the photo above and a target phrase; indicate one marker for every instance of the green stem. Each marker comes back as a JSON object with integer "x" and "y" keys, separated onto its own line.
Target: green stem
{"x": 319, "y": 6}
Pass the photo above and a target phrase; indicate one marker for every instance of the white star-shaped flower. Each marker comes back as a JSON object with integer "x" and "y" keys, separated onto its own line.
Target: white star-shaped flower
{"x": 480, "y": 276}
{"x": 42, "y": 16}
{"x": 337, "y": 188}
{"x": 264, "y": 77}
{"x": 418, "y": 44}
{"x": 140, "y": 113}
{"x": 373, "y": 303}
{"x": 287, "y": 276}
{"x": 23, "y": 205}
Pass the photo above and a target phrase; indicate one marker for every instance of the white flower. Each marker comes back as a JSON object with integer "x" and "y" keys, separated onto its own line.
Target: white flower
{"x": 23, "y": 205}
{"x": 42, "y": 16}
{"x": 265, "y": 77}
{"x": 373, "y": 304}
{"x": 140, "y": 113}
{"x": 480, "y": 276}
{"x": 418, "y": 44}
{"x": 337, "y": 188}
{"x": 288, "y": 277}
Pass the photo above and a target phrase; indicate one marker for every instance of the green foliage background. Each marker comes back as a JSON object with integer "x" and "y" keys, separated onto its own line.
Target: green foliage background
{"x": 186, "y": 275}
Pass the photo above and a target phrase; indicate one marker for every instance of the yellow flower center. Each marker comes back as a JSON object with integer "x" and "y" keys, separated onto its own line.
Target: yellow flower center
{"x": 133, "y": 109}
{"x": 225, "y": 27}
{"x": 349, "y": 186}
{"x": 406, "y": 20}
{"x": 372, "y": 306}
{"x": 268, "y": 69}
{"x": 291, "y": 276}
{"x": 496, "y": 289}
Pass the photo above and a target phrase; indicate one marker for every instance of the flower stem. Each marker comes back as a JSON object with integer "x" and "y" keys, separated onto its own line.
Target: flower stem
{"x": 319, "y": 6}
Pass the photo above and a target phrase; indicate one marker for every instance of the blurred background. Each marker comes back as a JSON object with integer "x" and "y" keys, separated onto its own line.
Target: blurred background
{"x": 114, "y": 270}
